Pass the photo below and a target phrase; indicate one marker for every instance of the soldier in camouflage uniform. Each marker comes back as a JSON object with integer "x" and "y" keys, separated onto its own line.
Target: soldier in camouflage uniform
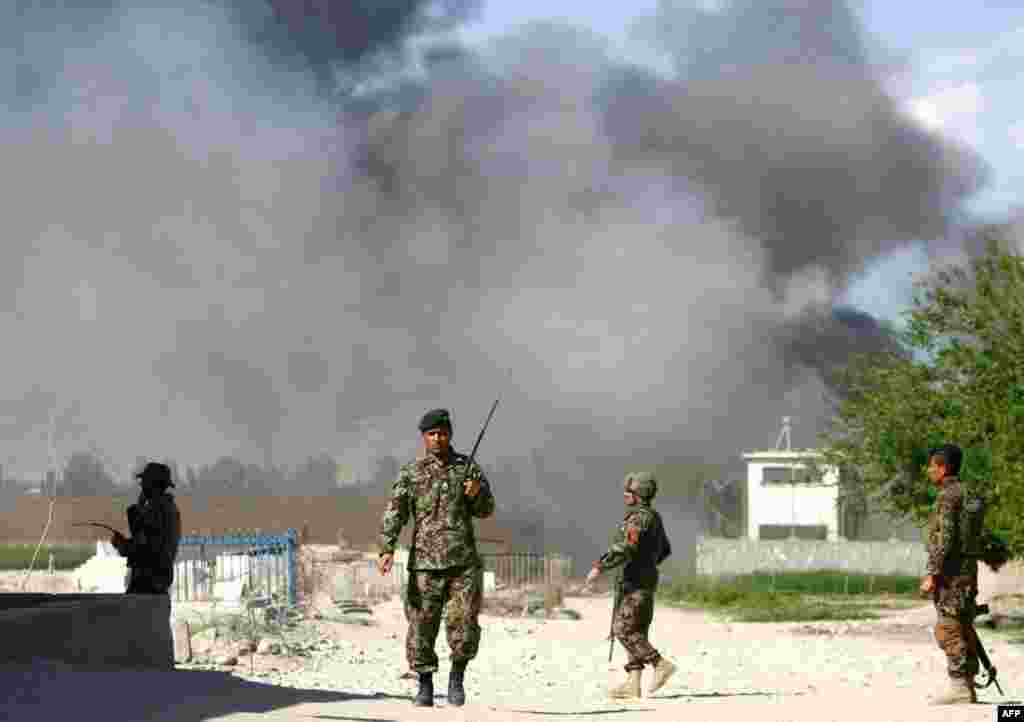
{"x": 952, "y": 577}
{"x": 442, "y": 493}
{"x": 640, "y": 545}
{"x": 155, "y": 525}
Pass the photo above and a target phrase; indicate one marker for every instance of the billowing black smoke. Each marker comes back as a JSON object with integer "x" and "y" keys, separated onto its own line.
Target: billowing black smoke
{"x": 280, "y": 230}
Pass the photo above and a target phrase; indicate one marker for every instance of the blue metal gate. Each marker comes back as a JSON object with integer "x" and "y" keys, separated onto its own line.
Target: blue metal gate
{"x": 265, "y": 564}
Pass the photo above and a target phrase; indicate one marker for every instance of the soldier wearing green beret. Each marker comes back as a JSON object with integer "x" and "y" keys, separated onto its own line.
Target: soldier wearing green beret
{"x": 441, "y": 492}
{"x": 640, "y": 545}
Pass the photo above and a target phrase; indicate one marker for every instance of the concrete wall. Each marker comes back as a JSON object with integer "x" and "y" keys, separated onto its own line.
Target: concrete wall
{"x": 744, "y": 556}
{"x": 99, "y": 630}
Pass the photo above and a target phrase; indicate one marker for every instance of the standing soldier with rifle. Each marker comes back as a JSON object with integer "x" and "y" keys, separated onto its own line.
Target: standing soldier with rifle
{"x": 952, "y": 575}
{"x": 639, "y": 547}
{"x": 155, "y": 527}
{"x": 441, "y": 491}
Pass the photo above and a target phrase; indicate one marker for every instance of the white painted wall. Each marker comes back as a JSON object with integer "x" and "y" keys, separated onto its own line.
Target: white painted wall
{"x": 782, "y": 503}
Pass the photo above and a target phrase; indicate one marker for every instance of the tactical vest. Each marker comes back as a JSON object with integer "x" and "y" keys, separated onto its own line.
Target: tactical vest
{"x": 653, "y": 546}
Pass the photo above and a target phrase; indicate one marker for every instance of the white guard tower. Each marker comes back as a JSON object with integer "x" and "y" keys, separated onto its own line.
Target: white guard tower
{"x": 778, "y": 494}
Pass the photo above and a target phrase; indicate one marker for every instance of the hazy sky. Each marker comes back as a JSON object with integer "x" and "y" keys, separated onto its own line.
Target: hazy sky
{"x": 956, "y": 70}
{"x": 186, "y": 274}
{"x": 207, "y": 254}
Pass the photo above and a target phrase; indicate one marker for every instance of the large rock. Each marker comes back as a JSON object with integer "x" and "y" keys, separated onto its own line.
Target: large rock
{"x": 182, "y": 642}
{"x": 268, "y": 646}
{"x": 204, "y": 641}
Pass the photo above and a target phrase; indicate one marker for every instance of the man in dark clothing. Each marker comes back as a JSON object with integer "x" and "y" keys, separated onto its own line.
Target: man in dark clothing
{"x": 640, "y": 545}
{"x": 155, "y": 526}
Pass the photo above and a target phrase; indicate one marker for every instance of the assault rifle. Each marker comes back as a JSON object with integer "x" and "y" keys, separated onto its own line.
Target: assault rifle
{"x": 615, "y": 609}
{"x": 479, "y": 438}
{"x": 990, "y": 670}
{"x": 97, "y": 524}
{"x": 472, "y": 457}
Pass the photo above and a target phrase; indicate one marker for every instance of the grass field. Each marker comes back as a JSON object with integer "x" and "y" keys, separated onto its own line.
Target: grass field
{"x": 66, "y": 556}
{"x": 794, "y": 596}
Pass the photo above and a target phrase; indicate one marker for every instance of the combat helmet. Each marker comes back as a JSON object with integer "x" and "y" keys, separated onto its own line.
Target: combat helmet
{"x": 641, "y": 483}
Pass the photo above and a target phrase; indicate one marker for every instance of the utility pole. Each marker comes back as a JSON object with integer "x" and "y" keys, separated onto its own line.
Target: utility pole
{"x": 786, "y": 435}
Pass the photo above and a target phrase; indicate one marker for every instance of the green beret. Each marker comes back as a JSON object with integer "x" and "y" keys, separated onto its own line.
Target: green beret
{"x": 435, "y": 419}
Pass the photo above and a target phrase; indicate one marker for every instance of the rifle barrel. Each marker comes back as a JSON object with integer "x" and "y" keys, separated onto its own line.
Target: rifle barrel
{"x": 480, "y": 436}
{"x": 96, "y": 524}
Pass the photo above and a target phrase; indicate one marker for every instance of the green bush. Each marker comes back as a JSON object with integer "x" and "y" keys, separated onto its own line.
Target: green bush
{"x": 789, "y": 596}
{"x": 17, "y": 557}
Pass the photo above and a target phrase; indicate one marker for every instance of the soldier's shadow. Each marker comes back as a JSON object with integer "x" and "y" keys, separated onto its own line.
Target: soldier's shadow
{"x": 46, "y": 692}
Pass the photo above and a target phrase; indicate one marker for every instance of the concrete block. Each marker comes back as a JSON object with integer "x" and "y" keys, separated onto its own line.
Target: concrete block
{"x": 98, "y": 630}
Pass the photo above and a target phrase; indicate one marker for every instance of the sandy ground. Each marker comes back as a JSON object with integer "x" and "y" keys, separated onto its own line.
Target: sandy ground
{"x": 38, "y": 582}
{"x": 880, "y": 671}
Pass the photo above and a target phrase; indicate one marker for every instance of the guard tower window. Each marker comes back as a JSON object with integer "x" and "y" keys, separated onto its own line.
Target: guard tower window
{"x": 774, "y": 475}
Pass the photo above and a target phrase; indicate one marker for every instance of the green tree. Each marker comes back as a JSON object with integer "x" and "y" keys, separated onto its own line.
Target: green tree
{"x": 85, "y": 474}
{"x": 958, "y": 378}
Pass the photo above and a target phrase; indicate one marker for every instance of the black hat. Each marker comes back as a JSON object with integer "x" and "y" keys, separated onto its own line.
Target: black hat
{"x": 155, "y": 471}
{"x": 435, "y": 419}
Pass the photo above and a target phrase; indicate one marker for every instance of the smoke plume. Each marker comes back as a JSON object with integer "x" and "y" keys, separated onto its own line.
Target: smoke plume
{"x": 276, "y": 229}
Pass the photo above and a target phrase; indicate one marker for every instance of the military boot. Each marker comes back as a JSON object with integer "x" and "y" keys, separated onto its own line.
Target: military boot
{"x": 961, "y": 691}
{"x": 425, "y": 695}
{"x": 630, "y": 689}
{"x": 456, "y": 694}
{"x": 663, "y": 669}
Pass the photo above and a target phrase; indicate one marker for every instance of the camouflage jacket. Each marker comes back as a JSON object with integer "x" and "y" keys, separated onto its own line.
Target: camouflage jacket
{"x": 639, "y": 543}
{"x": 945, "y": 547}
{"x": 431, "y": 492}
{"x": 155, "y": 532}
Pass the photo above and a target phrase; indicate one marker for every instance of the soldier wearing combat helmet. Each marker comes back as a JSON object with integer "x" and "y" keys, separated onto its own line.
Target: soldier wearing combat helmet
{"x": 640, "y": 545}
{"x": 441, "y": 492}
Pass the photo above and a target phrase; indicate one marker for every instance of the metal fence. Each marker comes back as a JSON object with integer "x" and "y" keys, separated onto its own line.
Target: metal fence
{"x": 212, "y": 568}
{"x": 361, "y": 580}
{"x": 512, "y": 570}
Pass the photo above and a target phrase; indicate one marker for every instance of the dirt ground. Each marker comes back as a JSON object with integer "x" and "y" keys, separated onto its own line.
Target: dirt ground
{"x": 37, "y": 582}
{"x": 770, "y": 678}
{"x": 692, "y": 637}
{"x": 897, "y": 635}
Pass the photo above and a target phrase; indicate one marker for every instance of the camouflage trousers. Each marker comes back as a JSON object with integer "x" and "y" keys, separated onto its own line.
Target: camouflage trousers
{"x": 632, "y": 621}
{"x": 954, "y": 600}
{"x": 459, "y": 593}
{"x": 958, "y": 640}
